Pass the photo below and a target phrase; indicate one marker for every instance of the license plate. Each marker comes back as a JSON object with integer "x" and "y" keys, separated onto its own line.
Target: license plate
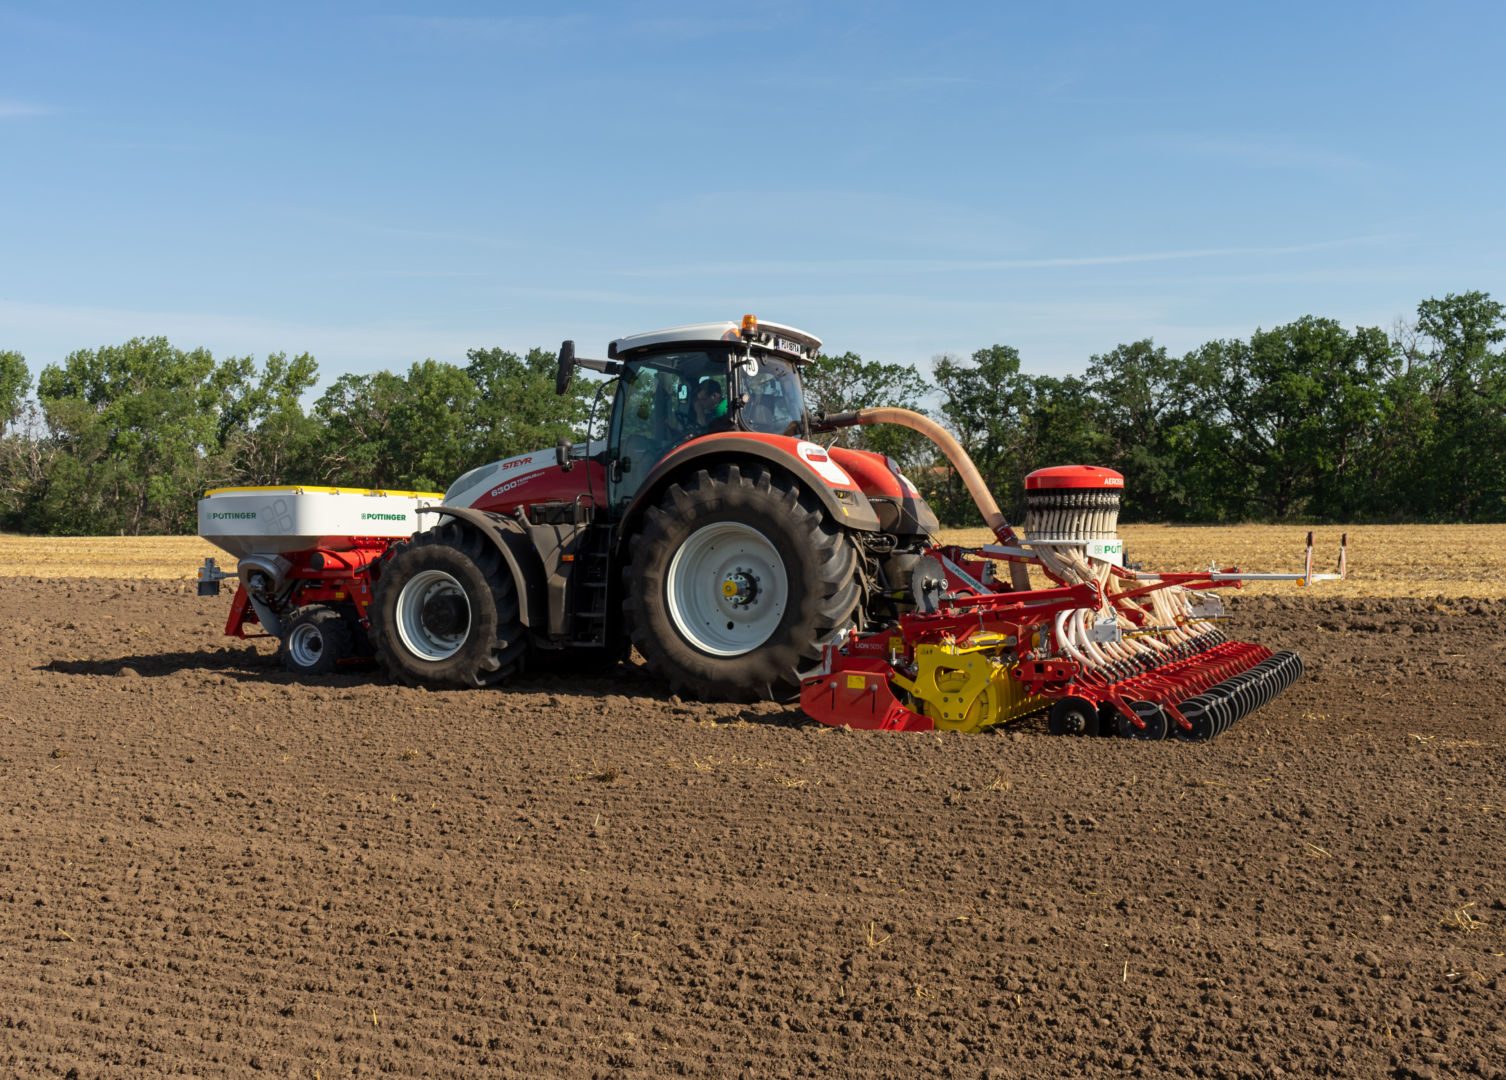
{"x": 788, "y": 346}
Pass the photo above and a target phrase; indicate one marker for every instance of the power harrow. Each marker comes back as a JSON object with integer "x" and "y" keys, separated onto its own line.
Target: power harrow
{"x": 1103, "y": 648}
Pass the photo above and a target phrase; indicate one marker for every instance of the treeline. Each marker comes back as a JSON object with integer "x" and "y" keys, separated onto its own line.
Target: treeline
{"x": 1307, "y": 421}
{"x": 126, "y": 438}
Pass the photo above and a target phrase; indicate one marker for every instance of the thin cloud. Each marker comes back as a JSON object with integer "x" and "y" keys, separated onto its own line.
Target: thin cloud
{"x": 947, "y": 266}
{"x": 1265, "y": 152}
{"x": 471, "y": 237}
{"x": 10, "y": 109}
{"x": 922, "y": 81}
{"x": 531, "y": 30}
{"x": 47, "y": 332}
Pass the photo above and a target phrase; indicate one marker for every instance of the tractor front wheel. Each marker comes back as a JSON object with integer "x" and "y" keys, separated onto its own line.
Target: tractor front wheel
{"x": 444, "y": 611}
{"x": 734, "y": 583}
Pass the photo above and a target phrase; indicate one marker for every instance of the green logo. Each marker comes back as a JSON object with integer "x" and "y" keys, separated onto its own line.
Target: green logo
{"x": 237, "y": 516}
{"x": 384, "y": 517}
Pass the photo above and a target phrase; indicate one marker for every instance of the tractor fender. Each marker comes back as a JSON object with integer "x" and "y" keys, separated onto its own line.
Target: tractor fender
{"x": 845, "y": 503}
{"x": 518, "y": 552}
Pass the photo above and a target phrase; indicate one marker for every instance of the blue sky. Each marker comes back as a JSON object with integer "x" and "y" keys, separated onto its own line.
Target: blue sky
{"x": 379, "y": 183}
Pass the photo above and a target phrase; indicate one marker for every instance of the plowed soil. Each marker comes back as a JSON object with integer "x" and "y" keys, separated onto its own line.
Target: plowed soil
{"x": 207, "y": 868}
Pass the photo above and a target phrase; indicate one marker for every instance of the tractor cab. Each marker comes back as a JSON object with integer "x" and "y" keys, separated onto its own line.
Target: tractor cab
{"x": 690, "y": 381}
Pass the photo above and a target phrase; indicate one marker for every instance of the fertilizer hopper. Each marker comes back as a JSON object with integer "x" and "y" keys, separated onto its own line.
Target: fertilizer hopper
{"x": 248, "y": 521}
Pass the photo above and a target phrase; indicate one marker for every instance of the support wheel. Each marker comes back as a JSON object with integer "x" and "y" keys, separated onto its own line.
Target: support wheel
{"x": 735, "y": 580}
{"x": 1073, "y": 716}
{"x": 1151, "y": 716}
{"x": 1201, "y": 714}
{"x": 444, "y": 611}
{"x": 314, "y": 641}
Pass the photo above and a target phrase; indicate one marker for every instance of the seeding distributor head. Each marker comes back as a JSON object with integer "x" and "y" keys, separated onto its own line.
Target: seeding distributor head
{"x": 1075, "y": 503}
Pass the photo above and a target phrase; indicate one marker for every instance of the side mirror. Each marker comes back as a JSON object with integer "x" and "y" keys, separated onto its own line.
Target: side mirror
{"x": 566, "y": 368}
{"x": 562, "y": 451}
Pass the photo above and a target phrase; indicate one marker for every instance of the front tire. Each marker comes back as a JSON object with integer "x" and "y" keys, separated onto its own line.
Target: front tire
{"x": 444, "y": 612}
{"x": 735, "y": 581}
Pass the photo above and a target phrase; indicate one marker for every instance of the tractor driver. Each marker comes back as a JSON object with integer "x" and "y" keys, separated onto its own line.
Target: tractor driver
{"x": 708, "y": 408}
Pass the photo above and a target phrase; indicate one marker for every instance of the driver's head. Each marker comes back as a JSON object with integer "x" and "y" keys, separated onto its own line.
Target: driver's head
{"x": 706, "y": 397}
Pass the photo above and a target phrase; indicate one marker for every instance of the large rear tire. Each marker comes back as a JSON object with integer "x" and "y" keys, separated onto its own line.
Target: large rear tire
{"x": 735, "y": 581}
{"x": 444, "y": 612}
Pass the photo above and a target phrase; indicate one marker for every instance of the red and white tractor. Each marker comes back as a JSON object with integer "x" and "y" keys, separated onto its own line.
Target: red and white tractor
{"x": 742, "y": 560}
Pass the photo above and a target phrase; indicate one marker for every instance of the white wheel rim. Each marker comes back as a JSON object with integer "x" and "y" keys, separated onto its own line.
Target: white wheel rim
{"x": 305, "y": 645}
{"x": 726, "y": 589}
{"x": 420, "y": 621}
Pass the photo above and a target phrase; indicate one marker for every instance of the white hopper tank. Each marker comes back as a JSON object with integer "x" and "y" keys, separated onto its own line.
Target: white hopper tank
{"x": 272, "y": 520}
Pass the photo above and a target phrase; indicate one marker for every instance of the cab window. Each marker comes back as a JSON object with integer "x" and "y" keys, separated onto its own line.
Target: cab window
{"x": 774, "y": 403}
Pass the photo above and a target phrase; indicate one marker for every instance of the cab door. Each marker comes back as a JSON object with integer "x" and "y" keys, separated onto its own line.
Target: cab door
{"x": 641, "y": 430}
{"x": 652, "y": 413}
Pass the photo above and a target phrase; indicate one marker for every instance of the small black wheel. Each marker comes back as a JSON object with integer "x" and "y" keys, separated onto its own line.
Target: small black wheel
{"x": 1150, "y": 715}
{"x": 1073, "y": 716}
{"x": 314, "y": 641}
{"x": 1199, "y": 712}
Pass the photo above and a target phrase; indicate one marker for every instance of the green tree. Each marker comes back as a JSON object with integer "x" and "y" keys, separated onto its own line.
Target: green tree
{"x": 1140, "y": 404}
{"x": 396, "y": 431}
{"x": 136, "y": 426}
{"x": 427, "y": 427}
{"x": 264, "y": 434}
{"x": 517, "y": 408}
{"x": 15, "y": 381}
{"x": 1289, "y": 411}
{"x": 838, "y": 384}
{"x": 1061, "y": 427}
{"x": 984, "y": 402}
{"x": 24, "y": 449}
{"x": 1462, "y": 373}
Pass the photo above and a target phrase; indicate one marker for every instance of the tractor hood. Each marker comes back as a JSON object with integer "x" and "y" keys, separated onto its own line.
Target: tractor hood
{"x": 530, "y": 478}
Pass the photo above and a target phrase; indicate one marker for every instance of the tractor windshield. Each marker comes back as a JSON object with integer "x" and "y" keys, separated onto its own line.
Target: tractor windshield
{"x": 771, "y": 396}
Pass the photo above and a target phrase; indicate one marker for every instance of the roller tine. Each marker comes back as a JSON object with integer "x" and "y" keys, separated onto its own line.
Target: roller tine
{"x": 1225, "y": 713}
{"x": 1241, "y": 709}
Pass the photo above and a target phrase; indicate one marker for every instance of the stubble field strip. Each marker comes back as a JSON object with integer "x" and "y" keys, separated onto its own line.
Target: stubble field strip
{"x": 1451, "y": 561}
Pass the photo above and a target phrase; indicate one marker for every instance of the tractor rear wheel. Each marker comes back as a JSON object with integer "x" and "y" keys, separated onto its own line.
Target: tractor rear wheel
{"x": 444, "y": 611}
{"x": 735, "y": 581}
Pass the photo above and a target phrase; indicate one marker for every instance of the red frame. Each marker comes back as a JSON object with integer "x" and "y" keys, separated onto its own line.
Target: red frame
{"x": 321, "y": 575}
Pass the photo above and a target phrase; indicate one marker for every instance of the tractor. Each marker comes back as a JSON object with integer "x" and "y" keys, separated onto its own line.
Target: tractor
{"x": 743, "y": 560}
{"x": 707, "y": 531}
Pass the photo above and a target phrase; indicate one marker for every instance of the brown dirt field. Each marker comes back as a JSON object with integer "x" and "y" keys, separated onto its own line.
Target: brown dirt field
{"x": 208, "y": 869}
